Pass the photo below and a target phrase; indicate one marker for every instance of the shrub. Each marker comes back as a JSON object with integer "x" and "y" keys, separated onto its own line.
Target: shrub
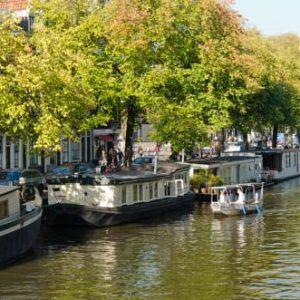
{"x": 197, "y": 181}
{"x": 214, "y": 180}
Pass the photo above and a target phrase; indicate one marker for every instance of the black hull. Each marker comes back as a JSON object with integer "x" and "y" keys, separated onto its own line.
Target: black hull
{"x": 81, "y": 215}
{"x": 24, "y": 234}
{"x": 204, "y": 197}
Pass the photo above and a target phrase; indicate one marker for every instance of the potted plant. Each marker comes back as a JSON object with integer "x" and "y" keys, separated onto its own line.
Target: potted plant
{"x": 198, "y": 183}
{"x": 214, "y": 180}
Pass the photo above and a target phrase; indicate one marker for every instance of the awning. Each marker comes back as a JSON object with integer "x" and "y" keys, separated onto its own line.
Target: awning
{"x": 104, "y": 137}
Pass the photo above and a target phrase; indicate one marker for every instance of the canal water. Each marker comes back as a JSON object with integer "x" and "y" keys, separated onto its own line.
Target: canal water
{"x": 187, "y": 255}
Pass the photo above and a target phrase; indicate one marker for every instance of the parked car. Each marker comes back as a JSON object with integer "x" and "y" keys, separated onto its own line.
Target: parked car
{"x": 143, "y": 160}
{"x": 12, "y": 177}
{"x": 67, "y": 172}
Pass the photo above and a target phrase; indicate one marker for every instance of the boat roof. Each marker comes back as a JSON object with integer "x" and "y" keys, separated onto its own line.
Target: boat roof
{"x": 136, "y": 173}
{"x": 234, "y": 186}
{"x": 221, "y": 159}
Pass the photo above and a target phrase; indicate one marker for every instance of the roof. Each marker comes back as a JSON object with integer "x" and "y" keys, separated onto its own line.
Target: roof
{"x": 221, "y": 160}
{"x": 14, "y": 5}
{"x": 142, "y": 173}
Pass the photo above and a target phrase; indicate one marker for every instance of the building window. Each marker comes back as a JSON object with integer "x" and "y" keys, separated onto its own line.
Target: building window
{"x": 16, "y": 156}
{"x": 65, "y": 150}
{"x": 123, "y": 195}
{"x": 3, "y": 209}
{"x": 75, "y": 151}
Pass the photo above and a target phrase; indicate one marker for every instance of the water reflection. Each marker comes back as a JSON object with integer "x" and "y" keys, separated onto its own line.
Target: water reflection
{"x": 188, "y": 255}
{"x": 239, "y": 230}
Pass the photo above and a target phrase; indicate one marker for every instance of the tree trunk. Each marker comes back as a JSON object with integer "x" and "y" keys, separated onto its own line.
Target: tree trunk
{"x": 123, "y": 130}
{"x": 222, "y": 141}
{"x": 246, "y": 143}
{"x": 274, "y": 138}
{"x": 129, "y": 118}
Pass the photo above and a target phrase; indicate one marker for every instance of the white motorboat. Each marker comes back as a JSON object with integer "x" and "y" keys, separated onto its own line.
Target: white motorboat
{"x": 237, "y": 199}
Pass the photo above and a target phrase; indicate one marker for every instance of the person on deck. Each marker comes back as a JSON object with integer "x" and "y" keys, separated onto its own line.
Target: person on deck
{"x": 222, "y": 197}
{"x": 241, "y": 197}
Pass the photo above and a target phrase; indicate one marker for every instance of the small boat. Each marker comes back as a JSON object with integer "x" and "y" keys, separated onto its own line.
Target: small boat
{"x": 109, "y": 199}
{"x": 237, "y": 199}
{"x": 20, "y": 219}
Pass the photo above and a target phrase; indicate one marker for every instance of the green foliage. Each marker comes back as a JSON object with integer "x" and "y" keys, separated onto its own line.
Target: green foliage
{"x": 201, "y": 179}
{"x": 186, "y": 66}
{"x": 198, "y": 180}
{"x": 214, "y": 180}
{"x": 271, "y": 94}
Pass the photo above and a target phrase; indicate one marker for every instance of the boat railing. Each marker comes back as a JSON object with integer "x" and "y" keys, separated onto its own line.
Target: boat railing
{"x": 252, "y": 193}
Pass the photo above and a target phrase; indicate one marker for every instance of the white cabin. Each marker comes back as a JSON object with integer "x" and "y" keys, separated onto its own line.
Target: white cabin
{"x": 232, "y": 169}
{"x": 104, "y": 192}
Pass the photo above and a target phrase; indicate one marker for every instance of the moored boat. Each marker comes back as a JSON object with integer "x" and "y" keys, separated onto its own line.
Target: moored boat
{"x": 122, "y": 197}
{"x": 238, "y": 199}
{"x": 20, "y": 219}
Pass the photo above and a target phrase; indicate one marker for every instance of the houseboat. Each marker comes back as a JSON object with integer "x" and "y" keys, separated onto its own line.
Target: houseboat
{"x": 20, "y": 219}
{"x": 280, "y": 164}
{"x": 237, "y": 199}
{"x": 121, "y": 197}
{"x": 231, "y": 168}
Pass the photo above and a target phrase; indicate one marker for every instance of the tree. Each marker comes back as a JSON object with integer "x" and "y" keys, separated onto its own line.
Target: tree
{"x": 190, "y": 87}
{"x": 271, "y": 97}
{"x": 50, "y": 90}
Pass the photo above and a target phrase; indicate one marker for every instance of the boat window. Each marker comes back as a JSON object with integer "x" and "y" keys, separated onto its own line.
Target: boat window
{"x": 227, "y": 174}
{"x": 155, "y": 190}
{"x": 123, "y": 194}
{"x": 167, "y": 189}
{"x": 287, "y": 160}
{"x": 3, "y": 209}
{"x": 141, "y": 196}
{"x": 179, "y": 186}
{"x": 150, "y": 190}
{"x": 135, "y": 193}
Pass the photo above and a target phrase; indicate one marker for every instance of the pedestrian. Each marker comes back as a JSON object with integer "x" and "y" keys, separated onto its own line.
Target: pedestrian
{"x": 140, "y": 151}
{"x": 103, "y": 161}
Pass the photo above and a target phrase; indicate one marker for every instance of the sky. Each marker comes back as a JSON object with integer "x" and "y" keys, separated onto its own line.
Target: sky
{"x": 271, "y": 17}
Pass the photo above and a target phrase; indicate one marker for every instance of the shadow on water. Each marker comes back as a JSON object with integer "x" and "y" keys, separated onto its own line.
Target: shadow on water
{"x": 55, "y": 239}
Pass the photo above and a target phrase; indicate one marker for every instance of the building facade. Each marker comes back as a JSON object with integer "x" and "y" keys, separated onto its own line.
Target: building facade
{"x": 21, "y": 9}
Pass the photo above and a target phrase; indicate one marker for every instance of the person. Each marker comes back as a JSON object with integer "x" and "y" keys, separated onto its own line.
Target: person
{"x": 120, "y": 157}
{"x": 110, "y": 156}
{"x": 223, "y": 197}
{"x": 140, "y": 151}
{"x": 102, "y": 161}
{"x": 241, "y": 197}
{"x": 256, "y": 199}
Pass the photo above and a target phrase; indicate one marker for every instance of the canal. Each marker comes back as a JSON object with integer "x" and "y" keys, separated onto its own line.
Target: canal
{"x": 187, "y": 255}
